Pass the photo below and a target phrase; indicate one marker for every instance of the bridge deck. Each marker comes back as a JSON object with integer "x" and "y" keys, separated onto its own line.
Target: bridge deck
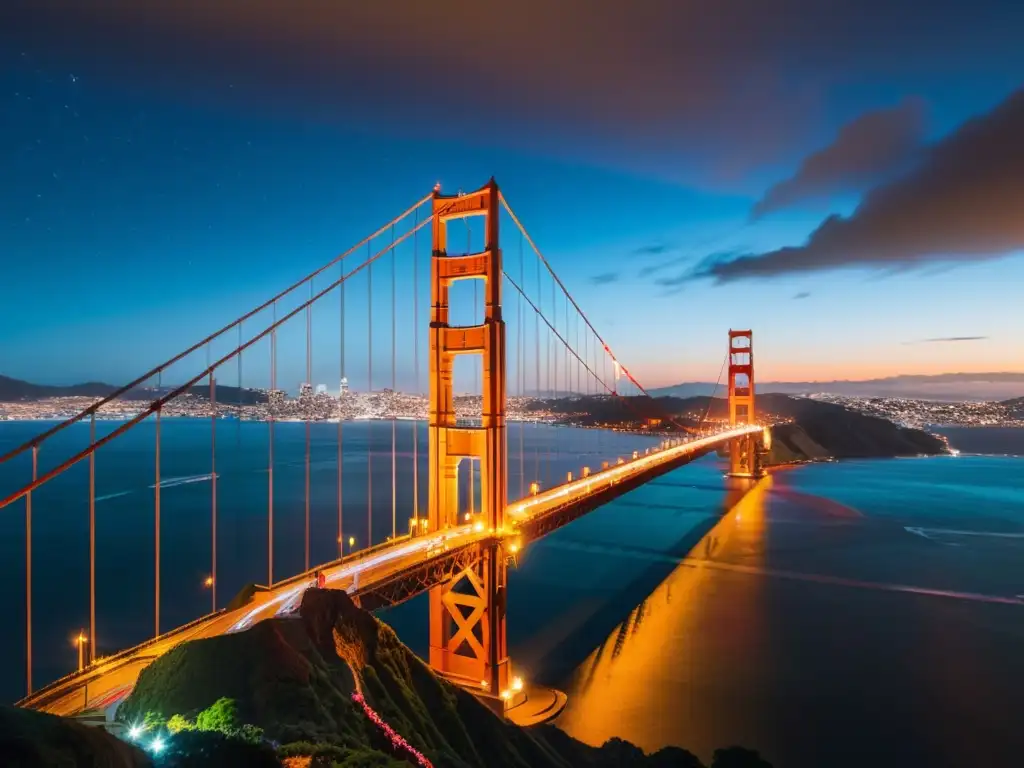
{"x": 109, "y": 680}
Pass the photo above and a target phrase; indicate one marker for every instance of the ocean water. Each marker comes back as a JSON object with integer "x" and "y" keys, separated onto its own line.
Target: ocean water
{"x": 845, "y": 614}
{"x": 842, "y": 615}
{"x": 125, "y": 523}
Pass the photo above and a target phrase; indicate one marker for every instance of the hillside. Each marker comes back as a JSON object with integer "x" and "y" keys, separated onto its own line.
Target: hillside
{"x": 832, "y": 429}
{"x": 29, "y": 739}
{"x": 14, "y": 390}
{"x": 1015, "y": 407}
{"x": 942, "y": 387}
{"x": 295, "y": 679}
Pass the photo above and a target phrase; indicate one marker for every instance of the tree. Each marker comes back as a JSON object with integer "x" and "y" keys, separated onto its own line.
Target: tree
{"x": 220, "y": 716}
{"x": 177, "y": 723}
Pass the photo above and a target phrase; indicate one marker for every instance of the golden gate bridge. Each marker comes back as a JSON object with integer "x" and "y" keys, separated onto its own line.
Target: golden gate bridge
{"x": 468, "y": 527}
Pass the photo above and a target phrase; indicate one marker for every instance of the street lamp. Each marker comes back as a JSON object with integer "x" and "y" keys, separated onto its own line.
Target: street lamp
{"x": 80, "y": 641}
{"x": 351, "y": 543}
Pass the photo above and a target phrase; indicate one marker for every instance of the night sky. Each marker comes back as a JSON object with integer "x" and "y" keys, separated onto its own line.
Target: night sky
{"x": 846, "y": 178}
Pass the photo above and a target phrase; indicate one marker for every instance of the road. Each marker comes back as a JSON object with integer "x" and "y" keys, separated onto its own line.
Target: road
{"x": 108, "y": 681}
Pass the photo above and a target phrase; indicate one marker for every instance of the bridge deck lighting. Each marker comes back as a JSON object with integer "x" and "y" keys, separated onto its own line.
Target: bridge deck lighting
{"x": 484, "y": 684}
{"x": 478, "y": 526}
{"x": 208, "y": 582}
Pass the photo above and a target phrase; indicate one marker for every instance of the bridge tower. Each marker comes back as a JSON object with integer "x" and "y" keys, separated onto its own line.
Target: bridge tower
{"x": 745, "y": 453}
{"x": 467, "y": 614}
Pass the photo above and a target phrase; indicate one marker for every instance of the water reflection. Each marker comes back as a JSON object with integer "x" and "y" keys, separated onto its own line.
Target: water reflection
{"x": 616, "y": 690}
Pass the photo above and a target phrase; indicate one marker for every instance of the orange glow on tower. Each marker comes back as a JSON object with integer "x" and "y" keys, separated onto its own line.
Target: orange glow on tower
{"x": 467, "y": 615}
{"x": 743, "y": 453}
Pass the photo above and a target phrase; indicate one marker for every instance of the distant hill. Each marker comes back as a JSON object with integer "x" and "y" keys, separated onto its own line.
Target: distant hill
{"x": 825, "y": 429}
{"x": 943, "y": 386}
{"x": 1015, "y": 407}
{"x": 14, "y": 390}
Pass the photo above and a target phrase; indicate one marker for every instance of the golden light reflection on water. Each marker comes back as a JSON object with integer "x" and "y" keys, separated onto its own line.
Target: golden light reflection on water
{"x": 614, "y": 692}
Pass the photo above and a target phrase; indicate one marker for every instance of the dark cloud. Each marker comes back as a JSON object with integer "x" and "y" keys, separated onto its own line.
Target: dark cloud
{"x": 624, "y": 83}
{"x": 870, "y": 149}
{"x": 605, "y": 278}
{"x": 651, "y": 250}
{"x": 801, "y": 295}
{"x": 651, "y": 269}
{"x": 962, "y": 204}
{"x": 943, "y": 339}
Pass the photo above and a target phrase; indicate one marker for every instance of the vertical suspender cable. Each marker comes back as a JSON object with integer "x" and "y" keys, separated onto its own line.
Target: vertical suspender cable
{"x": 341, "y": 405}
{"x": 238, "y": 415}
{"x": 270, "y": 452}
{"x": 309, "y": 404}
{"x": 28, "y": 572}
{"x": 92, "y": 539}
{"x": 536, "y": 377}
{"x": 213, "y": 487}
{"x": 369, "y": 388}
{"x": 416, "y": 368}
{"x": 156, "y": 533}
{"x": 520, "y": 371}
{"x": 394, "y": 386}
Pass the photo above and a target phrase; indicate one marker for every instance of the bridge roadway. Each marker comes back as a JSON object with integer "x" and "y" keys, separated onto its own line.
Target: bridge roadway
{"x": 109, "y": 680}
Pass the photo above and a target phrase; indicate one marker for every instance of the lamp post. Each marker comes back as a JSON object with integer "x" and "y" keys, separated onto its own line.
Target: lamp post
{"x": 80, "y": 641}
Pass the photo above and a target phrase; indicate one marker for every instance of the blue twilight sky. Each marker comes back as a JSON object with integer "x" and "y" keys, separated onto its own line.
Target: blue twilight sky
{"x": 165, "y": 168}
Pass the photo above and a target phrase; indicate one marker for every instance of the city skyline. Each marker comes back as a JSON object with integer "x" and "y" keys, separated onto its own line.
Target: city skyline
{"x": 167, "y": 205}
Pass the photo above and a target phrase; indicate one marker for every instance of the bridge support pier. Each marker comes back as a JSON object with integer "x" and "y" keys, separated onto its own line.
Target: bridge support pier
{"x": 467, "y": 614}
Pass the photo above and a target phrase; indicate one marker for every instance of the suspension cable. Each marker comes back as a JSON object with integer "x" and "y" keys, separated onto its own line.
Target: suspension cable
{"x": 198, "y": 345}
{"x": 154, "y": 406}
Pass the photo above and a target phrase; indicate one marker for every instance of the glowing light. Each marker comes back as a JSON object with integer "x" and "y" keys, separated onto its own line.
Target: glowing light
{"x": 396, "y": 740}
{"x": 513, "y": 547}
{"x": 478, "y": 526}
{"x": 467, "y": 517}
{"x": 135, "y": 731}
{"x": 484, "y": 684}
{"x": 208, "y": 582}
{"x": 351, "y": 541}
{"x": 517, "y": 683}
{"x": 156, "y": 746}
{"x": 506, "y": 695}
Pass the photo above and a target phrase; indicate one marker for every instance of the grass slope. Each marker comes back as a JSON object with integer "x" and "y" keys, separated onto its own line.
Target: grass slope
{"x": 293, "y": 678}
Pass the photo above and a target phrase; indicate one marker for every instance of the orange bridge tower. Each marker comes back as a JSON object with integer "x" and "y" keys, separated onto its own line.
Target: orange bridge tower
{"x": 744, "y": 453}
{"x": 467, "y": 614}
